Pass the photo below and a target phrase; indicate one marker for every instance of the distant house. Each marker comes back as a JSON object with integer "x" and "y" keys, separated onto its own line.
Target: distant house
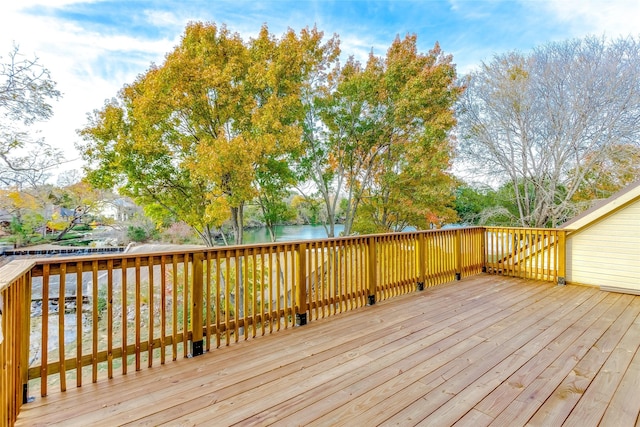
{"x": 5, "y": 221}
{"x": 603, "y": 243}
{"x": 64, "y": 213}
{"x": 121, "y": 209}
{"x": 5, "y": 217}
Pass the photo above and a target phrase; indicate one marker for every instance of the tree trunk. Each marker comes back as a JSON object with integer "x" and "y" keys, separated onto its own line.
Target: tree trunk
{"x": 237, "y": 223}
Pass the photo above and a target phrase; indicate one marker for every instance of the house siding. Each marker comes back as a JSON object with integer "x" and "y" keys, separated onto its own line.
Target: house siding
{"x": 607, "y": 253}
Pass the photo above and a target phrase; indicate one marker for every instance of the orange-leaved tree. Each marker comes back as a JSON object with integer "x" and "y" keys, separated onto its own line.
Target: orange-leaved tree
{"x": 389, "y": 128}
{"x": 198, "y": 137}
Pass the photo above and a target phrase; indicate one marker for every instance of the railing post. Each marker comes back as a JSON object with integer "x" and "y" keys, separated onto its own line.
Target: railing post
{"x": 301, "y": 294}
{"x": 15, "y": 333}
{"x": 422, "y": 259}
{"x": 373, "y": 279}
{"x": 562, "y": 257}
{"x": 25, "y": 328}
{"x": 197, "y": 296}
{"x": 484, "y": 249}
{"x": 458, "y": 254}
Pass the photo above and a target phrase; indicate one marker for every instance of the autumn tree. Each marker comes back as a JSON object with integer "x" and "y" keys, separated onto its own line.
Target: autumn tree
{"x": 388, "y": 137}
{"x": 308, "y": 210}
{"x": 411, "y": 181}
{"x": 26, "y": 210}
{"x": 317, "y": 176}
{"x": 198, "y": 137}
{"x": 26, "y": 90}
{"x": 147, "y": 173}
{"x": 543, "y": 122}
{"x": 612, "y": 170}
{"x": 78, "y": 197}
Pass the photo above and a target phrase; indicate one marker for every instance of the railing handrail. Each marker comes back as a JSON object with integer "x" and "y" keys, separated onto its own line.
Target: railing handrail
{"x": 37, "y": 262}
{"x": 13, "y": 270}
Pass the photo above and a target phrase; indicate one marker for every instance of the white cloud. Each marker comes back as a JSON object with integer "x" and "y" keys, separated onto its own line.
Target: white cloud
{"x": 352, "y": 44}
{"x": 162, "y": 18}
{"x": 26, "y": 4}
{"x": 88, "y": 67}
{"x": 598, "y": 17}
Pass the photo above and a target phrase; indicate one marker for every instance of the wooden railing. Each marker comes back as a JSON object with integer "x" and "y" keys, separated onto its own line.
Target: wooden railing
{"x": 14, "y": 348}
{"x": 530, "y": 253}
{"x": 73, "y": 320}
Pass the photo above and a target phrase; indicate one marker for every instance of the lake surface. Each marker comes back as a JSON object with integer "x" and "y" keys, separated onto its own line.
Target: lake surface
{"x": 288, "y": 233}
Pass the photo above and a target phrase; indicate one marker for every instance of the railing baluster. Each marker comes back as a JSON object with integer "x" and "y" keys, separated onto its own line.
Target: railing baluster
{"x": 109, "y": 318}
{"x": 301, "y": 295}
{"x": 458, "y": 252}
{"x": 372, "y": 269}
{"x": 217, "y": 299}
{"x": 245, "y": 301}
{"x": 314, "y": 290}
{"x": 197, "y": 296}
{"x": 263, "y": 280}
{"x": 125, "y": 317}
{"x": 288, "y": 250}
{"x": 185, "y": 306}
{"x": 174, "y": 308}
{"x": 150, "y": 302}
{"x": 363, "y": 270}
{"x": 138, "y": 302}
{"x": 94, "y": 321}
{"x": 422, "y": 260}
{"x": 61, "y": 314}
{"x": 227, "y": 298}
{"x": 163, "y": 309}
{"x": 270, "y": 287}
{"x": 254, "y": 276}
{"x": 323, "y": 275}
{"x": 237, "y": 297}
{"x": 44, "y": 362}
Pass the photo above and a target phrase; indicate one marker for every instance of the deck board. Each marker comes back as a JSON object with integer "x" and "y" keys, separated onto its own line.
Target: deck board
{"x": 483, "y": 351}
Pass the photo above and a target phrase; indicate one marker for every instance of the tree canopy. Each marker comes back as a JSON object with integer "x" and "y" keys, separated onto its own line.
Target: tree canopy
{"x": 26, "y": 90}
{"x": 384, "y": 141}
{"x": 547, "y": 121}
{"x": 212, "y": 128}
{"x": 224, "y": 122}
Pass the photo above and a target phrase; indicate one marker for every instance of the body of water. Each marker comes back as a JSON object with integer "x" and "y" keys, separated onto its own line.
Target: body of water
{"x": 288, "y": 233}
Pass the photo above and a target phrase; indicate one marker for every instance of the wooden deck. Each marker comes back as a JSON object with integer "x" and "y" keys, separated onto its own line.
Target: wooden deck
{"x": 484, "y": 351}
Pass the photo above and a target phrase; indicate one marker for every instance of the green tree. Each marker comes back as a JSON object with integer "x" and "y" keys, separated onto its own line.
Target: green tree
{"x": 389, "y": 125}
{"x": 27, "y": 211}
{"x": 315, "y": 166}
{"x": 137, "y": 234}
{"x": 308, "y": 210}
{"x": 274, "y": 182}
{"x": 82, "y": 199}
{"x": 473, "y": 202}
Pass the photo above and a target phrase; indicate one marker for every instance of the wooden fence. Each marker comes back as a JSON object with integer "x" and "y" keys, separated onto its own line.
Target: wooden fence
{"x": 73, "y": 320}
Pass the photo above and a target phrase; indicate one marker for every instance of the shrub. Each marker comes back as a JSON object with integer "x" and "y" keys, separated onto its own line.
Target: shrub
{"x": 179, "y": 233}
{"x": 137, "y": 234}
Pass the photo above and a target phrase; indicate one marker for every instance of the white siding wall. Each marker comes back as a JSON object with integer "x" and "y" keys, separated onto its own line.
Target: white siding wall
{"x": 607, "y": 253}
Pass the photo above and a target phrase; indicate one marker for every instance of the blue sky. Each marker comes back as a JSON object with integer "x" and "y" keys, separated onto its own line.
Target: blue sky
{"x": 93, "y": 48}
